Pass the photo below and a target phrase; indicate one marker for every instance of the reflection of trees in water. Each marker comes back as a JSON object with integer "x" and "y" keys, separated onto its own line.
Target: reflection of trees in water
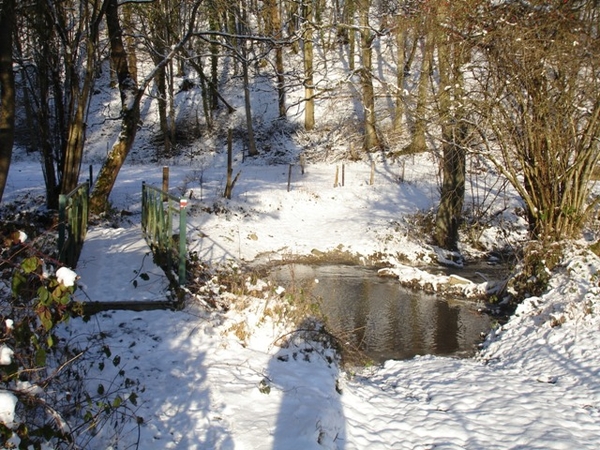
{"x": 446, "y": 330}
{"x": 391, "y": 322}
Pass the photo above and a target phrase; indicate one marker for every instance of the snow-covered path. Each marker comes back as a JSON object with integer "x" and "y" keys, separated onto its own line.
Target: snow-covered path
{"x": 116, "y": 265}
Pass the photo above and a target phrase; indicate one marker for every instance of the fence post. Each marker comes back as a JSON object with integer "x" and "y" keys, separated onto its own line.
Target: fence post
{"x": 157, "y": 223}
{"x": 372, "y": 180}
{"x": 144, "y": 207}
{"x": 72, "y": 223}
{"x": 182, "y": 239}
{"x": 165, "y": 181}
{"x": 62, "y": 218}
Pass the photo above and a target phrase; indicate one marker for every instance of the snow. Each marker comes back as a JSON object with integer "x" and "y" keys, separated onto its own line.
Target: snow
{"x": 243, "y": 379}
{"x": 8, "y": 402}
{"x": 66, "y": 276}
{"x": 6, "y": 355}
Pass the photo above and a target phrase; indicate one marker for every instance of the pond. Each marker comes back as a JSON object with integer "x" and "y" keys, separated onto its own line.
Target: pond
{"x": 385, "y": 320}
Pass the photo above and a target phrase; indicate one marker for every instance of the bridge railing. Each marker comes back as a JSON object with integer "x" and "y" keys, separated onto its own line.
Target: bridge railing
{"x": 73, "y": 215}
{"x": 168, "y": 245}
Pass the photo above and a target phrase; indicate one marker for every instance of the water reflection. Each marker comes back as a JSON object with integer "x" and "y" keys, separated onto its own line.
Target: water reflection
{"x": 385, "y": 320}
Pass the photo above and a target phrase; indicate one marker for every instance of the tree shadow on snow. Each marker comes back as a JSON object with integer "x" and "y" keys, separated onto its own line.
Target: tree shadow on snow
{"x": 158, "y": 356}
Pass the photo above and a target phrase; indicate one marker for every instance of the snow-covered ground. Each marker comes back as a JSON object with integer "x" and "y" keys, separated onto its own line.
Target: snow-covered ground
{"x": 243, "y": 379}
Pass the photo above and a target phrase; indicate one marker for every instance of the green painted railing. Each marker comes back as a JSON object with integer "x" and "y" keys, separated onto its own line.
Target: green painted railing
{"x": 168, "y": 247}
{"x": 73, "y": 214}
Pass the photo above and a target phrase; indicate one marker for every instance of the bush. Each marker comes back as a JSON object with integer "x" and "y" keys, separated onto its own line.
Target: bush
{"x": 45, "y": 396}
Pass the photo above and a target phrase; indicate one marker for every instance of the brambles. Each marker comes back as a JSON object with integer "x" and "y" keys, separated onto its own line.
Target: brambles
{"x": 46, "y": 398}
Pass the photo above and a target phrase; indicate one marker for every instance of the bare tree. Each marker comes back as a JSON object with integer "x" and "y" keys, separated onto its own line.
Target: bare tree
{"x": 401, "y": 34}
{"x": 273, "y": 29}
{"x": 160, "y": 30}
{"x": 541, "y": 102}
{"x": 131, "y": 96}
{"x": 244, "y": 57}
{"x": 309, "y": 81}
{"x": 61, "y": 39}
{"x": 453, "y": 52}
{"x": 7, "y": 89}
{"x": 367, "y": 36}
{"x": 427, "y": 43}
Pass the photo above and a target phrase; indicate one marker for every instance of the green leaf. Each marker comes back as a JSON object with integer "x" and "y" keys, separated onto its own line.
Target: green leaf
{"x": 144, "y": 276}
{"x": 117, "y": 401}
{"x": 44, "y": 295}
{"x": 40, "y": 358}
{"x": 18, "y": 280}
{"x": 30, "y": 264}
{"x": 100, "y": 389}
{"x": 66, "y": 299}
{"x": 116, "y": 360}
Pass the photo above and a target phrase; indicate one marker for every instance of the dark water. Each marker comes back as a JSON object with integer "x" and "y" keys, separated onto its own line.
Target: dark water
{"x": 385, "y": 320}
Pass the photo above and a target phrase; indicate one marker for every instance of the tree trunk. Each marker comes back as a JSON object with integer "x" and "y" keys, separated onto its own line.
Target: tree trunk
{"x": 401, "y": 34}
{"x": 171, "y": 123}
{"x": 130, "y": 113}
{"x": 131, "y": 97}
{"x": 451, "y": 58}
{"x": 291, "y": 20}
{"x": 251, "y": 142}
{"x": 419, "y": 143}
{"x": 273, "y": 29}
{"x": 80, "y": 96}
{"x": 45, "y": 138}
{"x": 7, "y": 90}
{"x": 349, "y": 10}
{"x": 213, "y": 21}
{"x": 449, "y": 212}
{"x": 309, "y": 88}
{"x": 371, "y": 139}
{"x": 160, "y": 29}
{"x": 129, "y": 22}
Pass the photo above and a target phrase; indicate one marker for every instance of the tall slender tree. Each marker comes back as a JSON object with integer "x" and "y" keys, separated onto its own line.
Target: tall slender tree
{"x": 371, "y": 139}
{"x": 81, "y": 90}
{"x": 418, "y": 141}
{"x": 273, "y": 29}
{"x": 131, "y": 96}
{"x": 61, "y": 39}
{"x": 309, "y": 80}
{"x": 7, "y": 89}
{"x": 453, "y": 52}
